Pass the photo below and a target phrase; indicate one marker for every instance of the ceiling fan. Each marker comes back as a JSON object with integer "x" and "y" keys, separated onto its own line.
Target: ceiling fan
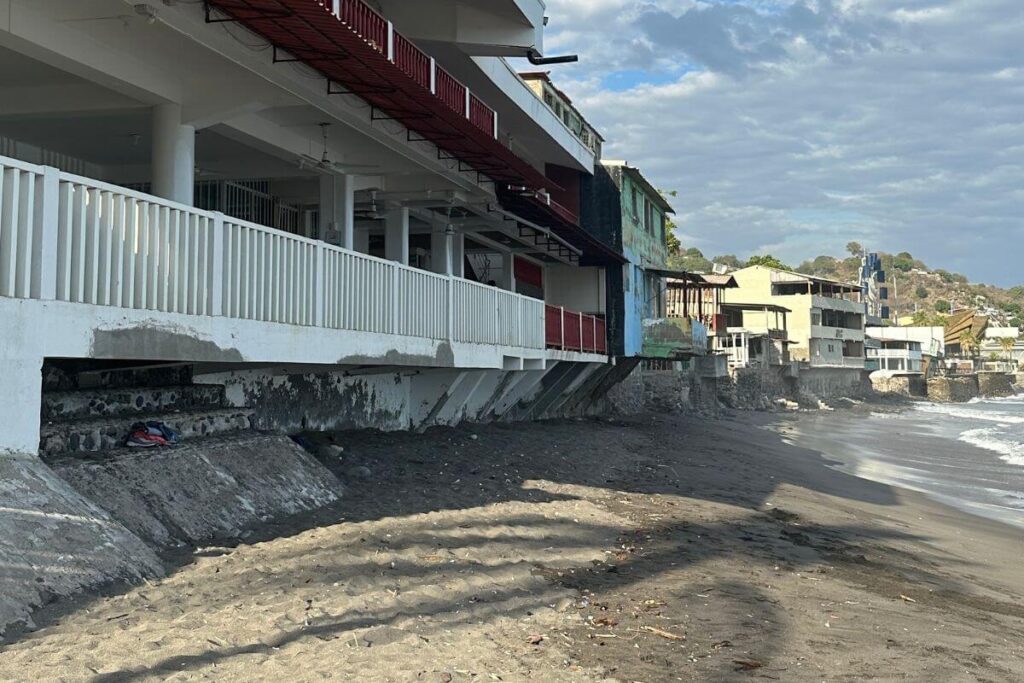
{"x": 324, "y": 163}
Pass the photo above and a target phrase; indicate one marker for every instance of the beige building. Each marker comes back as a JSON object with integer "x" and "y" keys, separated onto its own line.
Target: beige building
{"x": 825, "y": 320}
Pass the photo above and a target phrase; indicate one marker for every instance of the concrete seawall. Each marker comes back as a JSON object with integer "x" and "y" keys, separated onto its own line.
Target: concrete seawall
{"x": 84, "y": 523}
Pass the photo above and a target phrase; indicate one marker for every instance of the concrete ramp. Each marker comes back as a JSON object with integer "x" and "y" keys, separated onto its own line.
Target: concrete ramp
{"x": 196, "y": 492}
{"x": 54, "y": 542}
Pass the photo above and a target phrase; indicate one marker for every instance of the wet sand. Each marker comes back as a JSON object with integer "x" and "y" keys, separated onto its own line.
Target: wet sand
{"x": 657, "y": 548}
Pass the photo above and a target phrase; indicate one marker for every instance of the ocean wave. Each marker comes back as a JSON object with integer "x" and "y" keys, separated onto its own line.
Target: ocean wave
{"x": 994, "y": 439}
{"x": 971, "y": 414}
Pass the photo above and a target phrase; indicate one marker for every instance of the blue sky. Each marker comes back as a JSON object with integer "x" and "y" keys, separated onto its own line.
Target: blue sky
{"x": 795, "y": 126}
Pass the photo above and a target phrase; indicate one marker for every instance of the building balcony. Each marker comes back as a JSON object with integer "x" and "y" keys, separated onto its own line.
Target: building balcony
{"x": 359, "y": 52}
{"x": 66, "y": 240}
{"x": 854, "y": 362}
{"x": 566, "y": 330}
{"x": 897, "y": 354}
{"x": 674, "y": 338}
{"x": 837, "y": 333}
{"x": 836, "y": 304}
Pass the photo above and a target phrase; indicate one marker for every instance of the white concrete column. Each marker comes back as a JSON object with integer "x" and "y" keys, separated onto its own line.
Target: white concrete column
{"x": 396, "y": 236}
{"x": 337, "y": 210}
{"x": 173, "y": 155}
{"x": 459, "y": 254}
{"x": 20, "y": 404}
{"x": 362, "y": 241}
{"x": 508, "y": 272}
{"x": 441, "y": 247}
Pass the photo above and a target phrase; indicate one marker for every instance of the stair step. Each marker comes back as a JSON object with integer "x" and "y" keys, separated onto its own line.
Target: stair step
{"x": 96, "y": 403}
{"x": 94, "y": 435}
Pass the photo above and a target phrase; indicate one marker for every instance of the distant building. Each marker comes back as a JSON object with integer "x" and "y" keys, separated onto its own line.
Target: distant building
{"x": 898, "y": 348}
{"x": 756, "y": 335}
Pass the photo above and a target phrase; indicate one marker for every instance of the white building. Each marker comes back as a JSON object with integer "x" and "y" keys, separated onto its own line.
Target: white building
{"x": 271, "y": 189}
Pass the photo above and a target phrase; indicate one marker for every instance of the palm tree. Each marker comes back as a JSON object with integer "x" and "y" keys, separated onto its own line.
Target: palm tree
{"x": 968, "y": 343}
{"x": 1008, "y": 343}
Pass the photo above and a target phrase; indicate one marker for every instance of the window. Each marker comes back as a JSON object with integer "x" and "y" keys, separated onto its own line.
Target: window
{"x": 648, "y": 216}
{"x": 636, "y": 204}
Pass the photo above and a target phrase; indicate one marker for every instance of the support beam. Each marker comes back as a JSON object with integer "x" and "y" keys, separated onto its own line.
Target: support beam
{"x": 174, "y": 155}
{"x": 337, "y": 210}
{"x": 396, "y": 235}
{"x": 362, "y": 241}
{"x": 20, "y": 405}
{"x": 459, "y": 255}
{"x": 508, "y": 272}
{"x": 441, "y": 247}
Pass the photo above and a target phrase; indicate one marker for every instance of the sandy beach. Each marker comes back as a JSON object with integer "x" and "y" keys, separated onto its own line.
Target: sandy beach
{"x": 654, "y": 548}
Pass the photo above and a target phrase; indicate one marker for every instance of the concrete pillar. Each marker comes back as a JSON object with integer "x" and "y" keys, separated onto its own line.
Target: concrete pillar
{"x": 173, "y": 155}
{"x": 362, "y": 241}
{"x": 337, "y": 210}
{"x": 20, "y": 405}
{"x": 459, "y": 254}
{"x": 508, "y": 272}
{"x": 396, "y": 236}
{"x": 441, "y": 247}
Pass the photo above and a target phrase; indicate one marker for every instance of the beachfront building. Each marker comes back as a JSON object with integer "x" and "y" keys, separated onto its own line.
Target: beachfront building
{"x": 826, "y": 321}
{"x": 755, "y": 336}
{"x": 623, "y": 209}
{"x": 929, "y": 341}
{"x": 898, "y": 356}
{"x": 1002, "y": 349}
{"x": 343, "y": 215}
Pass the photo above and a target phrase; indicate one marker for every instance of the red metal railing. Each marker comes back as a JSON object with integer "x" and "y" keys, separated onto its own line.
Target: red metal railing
{"x": 601, "y": 334}
{"x": 572, "y": 331}
{"x": 553, "y": 326}
{"x": 481, "y": 115}
{"x": 364, "y": 21}
{"x": 450, "y": 91}
{"x": 413, "y": 61}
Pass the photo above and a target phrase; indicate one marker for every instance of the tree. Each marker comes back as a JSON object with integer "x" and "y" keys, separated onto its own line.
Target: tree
{"x": 1007, "y": 344}
{"x": 943, "y": 306}
{"x": 671, "y": 241}
{"x": 855, "y": 249}
{"x": 921, "y": 292}
{"x": 690, "y": 260}
{"x": 968, "y": 343}
{"x": 768, "y": 261}
{"x": 730, "y": 260}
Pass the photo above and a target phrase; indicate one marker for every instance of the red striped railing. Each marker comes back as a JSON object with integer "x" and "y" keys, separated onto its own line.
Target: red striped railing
{"x": 413, "y": 61}
{"x": 364, "y": 21}
{"x": 416, "y": 64}
{"x": 481, "y": 115}
{"x": 572, "y": 331}
{"x": 450, "y": 91}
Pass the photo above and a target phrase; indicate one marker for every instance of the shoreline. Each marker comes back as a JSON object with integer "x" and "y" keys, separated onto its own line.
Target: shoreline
{"x": 850, "y": 442}
{"x": 463, "y": 554}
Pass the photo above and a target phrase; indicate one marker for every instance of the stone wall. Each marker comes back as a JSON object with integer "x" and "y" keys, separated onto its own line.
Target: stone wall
{"x": 995, "y": 384}
{"x": 761, "y": 388}
{"x": 901, "y": 385}
{"x": 953, "y": 389}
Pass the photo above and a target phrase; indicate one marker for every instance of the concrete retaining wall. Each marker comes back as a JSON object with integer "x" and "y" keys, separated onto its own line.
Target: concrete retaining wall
{"x": 215, "y": 488}
{"x": 55, "y": 542}
{"x": 901, "y": 385}
{"x": 953, "y": 389}
{"x": 825, "y": 383}
{"x": 995, "y": 384}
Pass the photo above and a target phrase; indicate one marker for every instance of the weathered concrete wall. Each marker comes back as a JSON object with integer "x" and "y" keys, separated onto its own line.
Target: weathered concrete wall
{"x": 901, "y": 385}
{"x": 55, "y": 542}
{"x": 825, "y": 383}
{"x": 995, "y": 384}
{"x": 760, "y": 388}
{"x": 953, "y": 389}
{"x": 215, "y": 488}
{"x": 1019, "y": 379}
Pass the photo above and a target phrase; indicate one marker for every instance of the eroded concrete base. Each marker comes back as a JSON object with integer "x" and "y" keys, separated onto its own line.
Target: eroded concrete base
{"x": 216, "y": 488}
{"x": 54, "y": 542}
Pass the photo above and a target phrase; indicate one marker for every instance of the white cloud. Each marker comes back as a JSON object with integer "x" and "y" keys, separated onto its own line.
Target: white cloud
{"x": 798, "y": 126}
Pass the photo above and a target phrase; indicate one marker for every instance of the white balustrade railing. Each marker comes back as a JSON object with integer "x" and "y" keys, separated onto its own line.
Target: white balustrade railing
{"x": 79, "y": 240}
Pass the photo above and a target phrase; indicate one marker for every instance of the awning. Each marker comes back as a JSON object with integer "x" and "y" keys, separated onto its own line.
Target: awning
{"x": 353, "y": 60}
{"x": 594, "y": 252}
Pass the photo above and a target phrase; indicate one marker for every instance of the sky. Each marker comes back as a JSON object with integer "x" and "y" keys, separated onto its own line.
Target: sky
{"x": 793, "y": 127}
